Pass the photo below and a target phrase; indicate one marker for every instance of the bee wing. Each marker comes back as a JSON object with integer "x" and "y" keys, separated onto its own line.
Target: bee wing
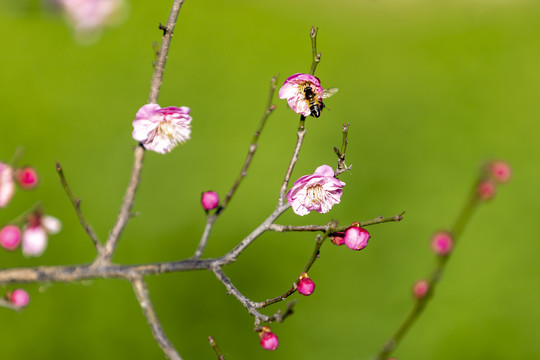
{"x": 329, "y": 92}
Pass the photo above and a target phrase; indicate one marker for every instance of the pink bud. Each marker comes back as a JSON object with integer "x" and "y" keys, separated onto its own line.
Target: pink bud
{"x": 486, "y": 190}
{"x": 19, "y": 298}
{"x": 26, "y": 177}
{"x": 442, "y": 243}
{"x": 10, "y": 237}
{"x": 356, "y": 238}
{"x": 269, "y": 340}
{"x": 305, "y": 285}
{"x": 338, "y": 240}
{"x": 210, "y": 200}
{"x": 500, "y": 171}
{"x": 420, "y": 288}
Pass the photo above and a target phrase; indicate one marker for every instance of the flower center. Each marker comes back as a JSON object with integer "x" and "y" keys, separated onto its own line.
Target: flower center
{"x": 165, "y": 128}
{"x": 315, "y": 193}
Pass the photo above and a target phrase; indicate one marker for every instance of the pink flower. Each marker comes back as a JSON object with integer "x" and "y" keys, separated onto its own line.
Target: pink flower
{"x": 210, "y": 200}
{"x": 10, "y": 237}
{"x": 442, "y": 243}
{"x": 19, "y": 298}
{"x": 317, "y": 192}
{"x": 305, "y": 285}
{"x": 420, "y": 289}
{"x": 26, "y": 177}
{"x": 90, "y": 15}
{"x": 269, "y": 340}
{"x": 34, "y": 237}
{"x": 294, "y": 90}
{"x": 7, "y": 187}
{"x": 356, "y": 238}
{"x": 160, "y": 130}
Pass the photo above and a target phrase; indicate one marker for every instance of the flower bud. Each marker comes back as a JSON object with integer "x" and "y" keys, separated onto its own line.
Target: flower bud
{"x": 420, "y": 289}
{"x": 10, "y": 237}
{"x": 356, "y": 238}
{"x": 209, "y": 200}
{"x": 26, "y": 177}
{"x": 19, "y": 298}
{"x": 338, "y": 240}
{"x": 305, "y": 285}
{"x": 442, "y": 243}
{"x": 500, "y": 171}
{"x": 269, "y": 340}
{"x": 486, "y": 190}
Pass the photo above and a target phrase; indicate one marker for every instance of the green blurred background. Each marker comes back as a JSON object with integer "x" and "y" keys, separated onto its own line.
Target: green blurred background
{"x": 431, "y": 88}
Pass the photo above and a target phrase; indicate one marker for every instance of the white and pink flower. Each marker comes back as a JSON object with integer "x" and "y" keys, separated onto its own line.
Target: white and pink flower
{"x": 317, "y": 192}
{"x": 35, "y": 233}
{"x": 91, "y": 15}
{"x": 293, "y": 90}
{"x": 160, "y": 130}
{"x": 7, "y": 185}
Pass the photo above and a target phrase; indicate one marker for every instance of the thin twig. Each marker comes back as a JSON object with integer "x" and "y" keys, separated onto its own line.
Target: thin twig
{"x": 168, "y": 30}
{"x": 294, "y": 159}
{"x": 319, "y": 240}
{"x": 8, "y": 305}
{"x": 76, "y": 202}
{"x": 433, "y": 280}
{"x": 125, "y": 209}
{"x": 324, "y": 228}
{"x": 232, "y": 290}
{"x": 315, "y": 54}
{"x": 215, "y": 346}
{"x": 211, "y": 218}
{"x": 253, "y": 146}
{"x": 341, "y": 168}
{"x": 141, "y": 291}
{"x": 129, "y": 197}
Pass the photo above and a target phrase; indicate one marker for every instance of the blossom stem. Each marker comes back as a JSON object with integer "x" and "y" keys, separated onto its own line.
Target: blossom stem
{"x": 76, "y": 202}
{"x": 463, "y": 218}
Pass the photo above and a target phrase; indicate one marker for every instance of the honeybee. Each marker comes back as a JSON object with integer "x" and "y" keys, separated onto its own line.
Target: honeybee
{"x": 316, "y": 105}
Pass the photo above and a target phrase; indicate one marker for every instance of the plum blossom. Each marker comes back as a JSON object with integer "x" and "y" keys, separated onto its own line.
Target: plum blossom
{"x": 317, "y": 192}
{"x": 160, "y": 130}
{"x": 34, "y": 236}
{"x": 91, "y": 15}
{"x": 7, "y": 186}
{"x": 293, "y": 90}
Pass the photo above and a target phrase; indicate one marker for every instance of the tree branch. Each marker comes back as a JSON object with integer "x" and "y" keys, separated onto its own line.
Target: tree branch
{"x": 141, "y": 291}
